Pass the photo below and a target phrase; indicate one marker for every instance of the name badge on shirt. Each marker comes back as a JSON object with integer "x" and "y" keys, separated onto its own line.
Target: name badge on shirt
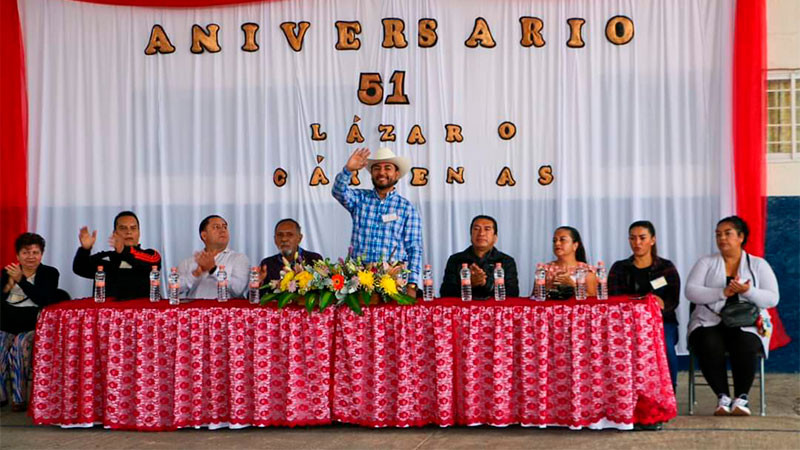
{"x": 391, "y": 217}
{"x": 658, "y": 283}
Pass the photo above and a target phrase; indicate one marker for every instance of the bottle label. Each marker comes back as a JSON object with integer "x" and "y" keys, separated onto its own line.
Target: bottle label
{"x": 254, "y": 285}
{"x": 100, "y": 284}
{"x": 466, "y": 281}
{"x": 499, "y": 281}
{"x": 155, "y": 283}
{"x": 222, "y": 283}
{"x": 540, "y": 282}
{"x": 427, "y": 282}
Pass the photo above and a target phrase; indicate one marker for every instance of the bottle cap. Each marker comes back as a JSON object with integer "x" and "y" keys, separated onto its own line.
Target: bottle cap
{"x": 99, "y": 268}
{"x": 464, "y": 266}
{"x": 427, "y": 267}
{"x": 498, "y": 265}
{"x": 173, "y": 270}
{"x": 154, "y": 267}
{"x": 254, "y": 268}
{"x": 600, "y": 263}
{"x": 221, "y": 267}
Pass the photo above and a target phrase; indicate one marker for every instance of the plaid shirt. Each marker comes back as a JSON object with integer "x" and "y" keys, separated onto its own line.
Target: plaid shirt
{"x": 375, "y": 239}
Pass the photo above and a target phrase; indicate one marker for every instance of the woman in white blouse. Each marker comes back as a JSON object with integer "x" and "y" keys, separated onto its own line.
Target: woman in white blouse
{"x": 719, "y": 279}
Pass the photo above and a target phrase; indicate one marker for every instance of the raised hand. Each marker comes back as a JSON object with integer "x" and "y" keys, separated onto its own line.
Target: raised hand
{"x": 87, "y": 240}
{"x": 205, "y": 260}
{"x": 358, "y": 159}
{"x": 116, "y": 242}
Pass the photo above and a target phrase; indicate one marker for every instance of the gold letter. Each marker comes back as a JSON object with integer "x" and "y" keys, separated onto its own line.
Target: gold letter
{"x": 415, "y": 136}
{"x": 318, "y": 177}
{"x": 427, "y": 33}
{"x": 531, "y": 32}
{"x": 159, "y": 42}
{"x": 202, "y": 41}
{"x": 480, "y": 34}
{"x": 347, "y": 35}
{"x": 575, "y": 39}
{"x": 295, "y": 40}
{"x": 354, "y": 135}
{"x": 453, "y": 133}
{"x": 279, "y": 177}
{"x": 387, "y": 132}
{"x": 507, "y": 130}
{"x": 393, "y": 36}
{"x": 505, "y": 178}
{"x": 419, "y": 176}
{"x": 545, "y": 175}
{"x": 619, "y": 30}
{"x": 455, "y": 175}
{"x": 250, "y": 44}
{"x": 315, "y": 133}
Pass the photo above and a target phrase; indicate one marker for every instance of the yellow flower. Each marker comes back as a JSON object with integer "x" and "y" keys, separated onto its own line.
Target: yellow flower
{"x": 366, "y": 279}
{"x": 388, "y": 285}
{"x": 286, "y": 280}
{"x": 303, "y": 278}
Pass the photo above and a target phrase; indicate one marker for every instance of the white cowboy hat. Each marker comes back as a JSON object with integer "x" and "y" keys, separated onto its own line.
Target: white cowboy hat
{"x": 384, "y": 154}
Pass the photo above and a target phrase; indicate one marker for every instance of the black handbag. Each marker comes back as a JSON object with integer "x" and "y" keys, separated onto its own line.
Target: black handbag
{"x": 741, "y": 314}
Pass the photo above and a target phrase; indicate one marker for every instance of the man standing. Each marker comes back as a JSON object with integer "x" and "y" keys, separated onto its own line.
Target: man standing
{"x": 287, "y": 238}
{"x": 198, "y": 273}
{"x": 481, "y": 257}
{"x": 386, "y": 226}
{"x": 127, "y": 266}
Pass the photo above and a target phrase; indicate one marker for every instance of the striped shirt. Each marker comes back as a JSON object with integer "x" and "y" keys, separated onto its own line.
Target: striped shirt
{"x": 387, "y": 229}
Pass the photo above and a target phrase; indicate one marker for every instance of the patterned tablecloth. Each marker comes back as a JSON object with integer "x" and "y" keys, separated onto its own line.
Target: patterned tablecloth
{"x": 144, "y": 366}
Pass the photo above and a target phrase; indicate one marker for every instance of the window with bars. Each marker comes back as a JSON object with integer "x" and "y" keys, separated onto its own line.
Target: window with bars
{"x": 783, "y": 115}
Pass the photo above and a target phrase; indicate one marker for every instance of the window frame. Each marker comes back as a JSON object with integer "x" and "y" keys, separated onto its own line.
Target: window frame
{"x": 793, "y": 76}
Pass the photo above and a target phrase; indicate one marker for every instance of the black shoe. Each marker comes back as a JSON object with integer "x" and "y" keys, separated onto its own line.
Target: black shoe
{"x": 652, "y": 427}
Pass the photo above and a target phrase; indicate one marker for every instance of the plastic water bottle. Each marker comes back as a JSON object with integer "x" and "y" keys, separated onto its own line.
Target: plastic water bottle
{"x": 466, "y": 283}
{"x": 602, "y": 281}
{"x": 253, "y": 294}
{"x": 540, "y": 282}
{"x": 580, "y": 284}
{"x": 155, "y": 284}
{"x": 222, "y": 284}
{"x": 499, "y": 282}
{"x": 427, "y": 283}
{"x": 174, "y": 286}
{"x": 99, "y": 285}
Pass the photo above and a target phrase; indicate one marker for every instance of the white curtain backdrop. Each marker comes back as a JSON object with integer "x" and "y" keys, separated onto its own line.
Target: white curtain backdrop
{"x": 637, "y": 131}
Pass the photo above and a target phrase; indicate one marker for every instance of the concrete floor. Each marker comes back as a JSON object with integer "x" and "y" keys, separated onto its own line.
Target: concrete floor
{"x": 780, "y": 429}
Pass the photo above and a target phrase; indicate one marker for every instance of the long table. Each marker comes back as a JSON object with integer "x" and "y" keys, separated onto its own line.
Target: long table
{"x": 152, "y": 366}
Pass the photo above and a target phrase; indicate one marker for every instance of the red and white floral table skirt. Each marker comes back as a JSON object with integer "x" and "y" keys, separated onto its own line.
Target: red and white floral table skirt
{"x": 137, "y": 365}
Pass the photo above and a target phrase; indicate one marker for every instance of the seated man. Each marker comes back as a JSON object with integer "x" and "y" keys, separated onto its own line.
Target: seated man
{"x": 287, "y": 239}
{"x": 127, "y": 265}
{"x": 198, "y": 273}
{"x": 481, "y": 257}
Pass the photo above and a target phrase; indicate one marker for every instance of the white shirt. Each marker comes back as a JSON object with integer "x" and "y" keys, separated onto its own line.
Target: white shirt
{"x": 205, "y": 286}
{"x": 17, "y": 297}
{"x": 706, "y": 284}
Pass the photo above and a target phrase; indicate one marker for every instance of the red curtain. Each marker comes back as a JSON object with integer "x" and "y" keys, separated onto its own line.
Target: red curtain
{"x": 13, "y": 132}
{"x": 749, "y": 131}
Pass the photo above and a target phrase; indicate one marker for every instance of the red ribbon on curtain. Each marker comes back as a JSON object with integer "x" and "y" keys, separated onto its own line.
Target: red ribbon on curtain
{"x": 13, "y": 133}
{"x": 750, "y": 129}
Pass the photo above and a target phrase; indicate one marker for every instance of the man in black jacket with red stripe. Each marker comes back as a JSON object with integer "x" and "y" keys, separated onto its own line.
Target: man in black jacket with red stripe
{"x": 127, "y": 265}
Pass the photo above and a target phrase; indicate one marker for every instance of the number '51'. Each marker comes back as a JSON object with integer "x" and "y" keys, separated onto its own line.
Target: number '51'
{"x": 370, "y": 89}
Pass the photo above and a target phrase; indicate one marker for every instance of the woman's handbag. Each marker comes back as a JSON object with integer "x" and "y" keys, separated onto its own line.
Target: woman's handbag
{"x": 739, "y": 314}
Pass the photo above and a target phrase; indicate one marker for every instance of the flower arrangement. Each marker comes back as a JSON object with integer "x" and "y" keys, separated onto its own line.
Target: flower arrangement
{"x": 347, "y": 281}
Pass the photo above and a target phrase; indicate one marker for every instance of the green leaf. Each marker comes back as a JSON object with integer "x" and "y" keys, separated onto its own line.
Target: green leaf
{"x": 285, "y": 298}
{"x": 365, "y": 297}
{"x": 352, "y": 303}
{"x": 403, "y": 300}
{"x": 325, "y": 300}
{"x": 266, "y": 298}
{"x": 311, "y": 299}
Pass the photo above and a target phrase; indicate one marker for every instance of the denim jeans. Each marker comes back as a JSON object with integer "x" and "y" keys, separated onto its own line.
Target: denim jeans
{"x": 670, "y": 340}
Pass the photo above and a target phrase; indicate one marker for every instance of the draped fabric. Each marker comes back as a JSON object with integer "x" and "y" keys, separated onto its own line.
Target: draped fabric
{"x": 631, "y": 131}
{"x": 138, "y": 365}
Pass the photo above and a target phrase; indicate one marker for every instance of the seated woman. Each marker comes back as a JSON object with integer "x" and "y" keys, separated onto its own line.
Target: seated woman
{"x": 645, "y": 272}
{"x": 721, "y": 279}
{"x": 570, "y": 256}
{"x": 27, "y": 286}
